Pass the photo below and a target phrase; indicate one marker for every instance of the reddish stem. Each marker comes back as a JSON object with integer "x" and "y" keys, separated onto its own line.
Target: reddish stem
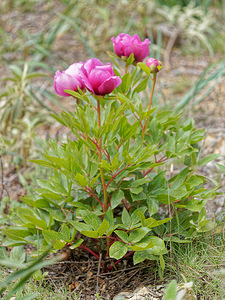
{"x": 125, "y": 205}
{"x": 89, "y": 250}
{"x": 107, "y": 155}
{"x": 85, "y": 137}
{"x": 118, "y": 147}
{"x": 116, "y": 174}
{"x": 136, "y": 117}
{"x": 147, "y": 172}
{"x": 94, "y": 142}
{"x": 91, "y": 193}
{"x": 162, "y": 159}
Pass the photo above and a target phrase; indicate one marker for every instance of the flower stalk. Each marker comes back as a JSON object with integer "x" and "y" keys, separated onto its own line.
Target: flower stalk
{"x": 100, "y": 159}
{"x": 150, "y": 102}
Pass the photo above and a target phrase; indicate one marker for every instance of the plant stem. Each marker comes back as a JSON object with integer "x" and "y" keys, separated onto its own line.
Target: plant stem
{"x": 91, "y": 193}
{"x": 100, "y": 159}
{"x": 150, "y": 102}
{"x": 116, "y": 174}
{"x": 126, "y": 69}
{"x": 105, "y": 205}
{"x": 89, "y": 250}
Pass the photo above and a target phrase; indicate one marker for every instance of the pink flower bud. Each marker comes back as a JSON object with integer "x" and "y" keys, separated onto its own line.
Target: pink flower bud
{"x": 153, "y": 64}
{"x": 69, "y": 79}
{"x": 124, "y": 45}
{"x": 98, "y": 78}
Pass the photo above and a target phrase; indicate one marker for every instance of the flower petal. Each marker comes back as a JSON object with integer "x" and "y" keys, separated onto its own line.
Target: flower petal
{"x": 63, "y": 81}
{"x": 109, "y": 85}
{"x": 74, "y": 69}
{"x": 91, "y": 64}
{"x": 97, "y": 76}
{"x": 141, "y": 51}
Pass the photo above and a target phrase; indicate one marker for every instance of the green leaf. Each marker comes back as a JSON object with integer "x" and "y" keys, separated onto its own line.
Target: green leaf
{"x": 141, "y": 86}
{"x": 43, "y": 163}
{"x": 118, "y": 250}
{"x": 138, "y": 234}
{"x": 16, "y": 234}
{"x": 139, "y": 182}
{"x": 140, "y": 196}
{"x": 90, "y": 233}
{"x": 58, "y": 244}
{"x": 39, "y": 223}
{"x": 124, "y": 87}
{"x": 159, "y": 246}
{"x": 18, "y": 254}
{"x": 81, "y": 180}
{"x": 202, "y": 215}
{"x": 103, "y": 227}
{"x": 179, "y": 179}
{"x": 205, "y": 160}
{"x": 153, "y": 205}
{"x": 122, "y": 235}
{"x": 205, "y": 226}
{"x": 130, "y": 59}
{"x": 171, "y": 291}
{"x": 105, "y": 165}
{"x": 92, "y": 220}
{"x": 126, "y": 219}
{"x": 126, "y": 100}
{"x": 195, "y": 180}
{"x": 76, "y": 244}
{"x": 53, "y": 237}
{"x": 65, "y": 233}
{"x": 162, "y": 262}
{"x": 34, "y": 75}
{"x": 144, "y": 244}
{"x": 137, "y": 190}
{"x": 195, "y": 204}
{"x": 117, "y": 197}
{"x": 151, "y": 222}
{"x": 144, "y": 68}
{"x": 141, "y": 256}
{"x": 222, "y": 168}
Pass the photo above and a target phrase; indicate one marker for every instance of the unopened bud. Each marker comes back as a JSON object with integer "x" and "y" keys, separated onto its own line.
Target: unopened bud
{"x": 153, "y": 64}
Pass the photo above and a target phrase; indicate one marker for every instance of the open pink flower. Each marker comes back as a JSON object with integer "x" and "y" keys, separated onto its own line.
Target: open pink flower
{"x": 124, "y": 45}
{"x": 69, "y": 79}
{"x": 154, "y": 64}
{"x": 98, "y": 78}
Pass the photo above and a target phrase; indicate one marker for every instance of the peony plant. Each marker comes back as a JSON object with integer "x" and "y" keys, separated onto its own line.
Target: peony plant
{"x": 110, "y": 190}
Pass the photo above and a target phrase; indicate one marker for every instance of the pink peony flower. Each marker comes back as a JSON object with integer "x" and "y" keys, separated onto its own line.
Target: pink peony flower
{"x": 69, "y": 79}
{"x": 98, "y": 78}
{"x": 153, "y": 64}
{"x": 124, "y": 45}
